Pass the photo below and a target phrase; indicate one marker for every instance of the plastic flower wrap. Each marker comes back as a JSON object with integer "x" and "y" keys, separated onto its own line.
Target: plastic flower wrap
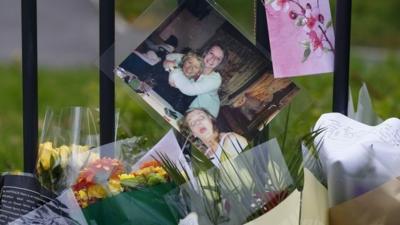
{"x": 239, "y": 190}
{"x": 67, "y": 136}
{"x": 54, "y": 164}
{"x": 110, "y": 192}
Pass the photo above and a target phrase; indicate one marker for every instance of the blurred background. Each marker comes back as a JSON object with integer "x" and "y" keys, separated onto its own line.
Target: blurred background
{"x": 68, "y": 71}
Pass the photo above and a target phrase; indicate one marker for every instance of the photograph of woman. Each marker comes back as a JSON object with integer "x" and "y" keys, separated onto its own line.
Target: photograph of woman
{"x": 210, "y": 74}
{"x": 204, "y": 87}
{"x": 220, "y": 145}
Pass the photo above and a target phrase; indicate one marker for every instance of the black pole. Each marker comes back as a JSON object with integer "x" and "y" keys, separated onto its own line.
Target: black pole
{"x": 262, "y": 42}
{"x": 107, "y": 58}
{"x": 29, "y": 83}
{"x": 342, "y": 56}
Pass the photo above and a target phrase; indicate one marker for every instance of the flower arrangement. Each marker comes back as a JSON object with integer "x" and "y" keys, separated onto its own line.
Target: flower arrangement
{"x": 106, "y": 177}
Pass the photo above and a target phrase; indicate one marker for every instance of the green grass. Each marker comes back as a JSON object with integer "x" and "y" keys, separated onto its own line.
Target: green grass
{"x": 63, "y": 88}
{"x": 131, "y": 9}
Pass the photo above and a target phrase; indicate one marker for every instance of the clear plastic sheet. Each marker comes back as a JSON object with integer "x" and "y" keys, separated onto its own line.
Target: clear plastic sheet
{"x": 67, "y": 136}
{"x": 240, "y": 189}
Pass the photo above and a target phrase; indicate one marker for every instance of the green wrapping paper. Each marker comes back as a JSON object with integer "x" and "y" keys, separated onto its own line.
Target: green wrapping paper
{"x": 145, "y": 206}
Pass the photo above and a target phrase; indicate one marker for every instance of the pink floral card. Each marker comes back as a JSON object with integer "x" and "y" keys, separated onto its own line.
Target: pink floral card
{"x": 301, "y": 37}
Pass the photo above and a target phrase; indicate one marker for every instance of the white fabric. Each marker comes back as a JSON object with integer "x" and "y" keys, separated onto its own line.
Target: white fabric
{"x": 355, "y": 157}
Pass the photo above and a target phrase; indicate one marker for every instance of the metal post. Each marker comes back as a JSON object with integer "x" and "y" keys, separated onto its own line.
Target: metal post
{"x": 262, "y": 42}
{"x": 29, "y": 83}
{"x": 107, "y": 58}
{"x": 342, "y": 56}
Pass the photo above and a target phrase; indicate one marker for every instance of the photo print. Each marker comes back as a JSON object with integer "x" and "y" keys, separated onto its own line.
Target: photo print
{"x": 206, "y": 79}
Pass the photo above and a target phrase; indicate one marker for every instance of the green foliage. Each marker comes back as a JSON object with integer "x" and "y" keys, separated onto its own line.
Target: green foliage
{"x": 131, "y": 9}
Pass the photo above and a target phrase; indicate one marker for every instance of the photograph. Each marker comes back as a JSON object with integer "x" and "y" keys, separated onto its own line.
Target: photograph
{"x": 205, "y": 78}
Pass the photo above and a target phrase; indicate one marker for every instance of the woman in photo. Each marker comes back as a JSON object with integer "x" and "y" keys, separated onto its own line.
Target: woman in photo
{"x": 205, "y": 87}
{"x": 220, "y": 146}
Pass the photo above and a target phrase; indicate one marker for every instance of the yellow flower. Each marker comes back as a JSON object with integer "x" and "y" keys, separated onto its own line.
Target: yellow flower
{"x": 144, "y": 171}
{"x": 46, "y": 151}
{"x": 82, "y": 198}
{"x": 82, "y": 195}
{"x": 45, "y": 146}
{"x": 114, "y": 186}
{"x": 159, "y": 170}
{"x": 64, "y": 152}
{"x": 96, "y": 191}
{"x": 80, "y": 148}
{"x": 125, "y": 176}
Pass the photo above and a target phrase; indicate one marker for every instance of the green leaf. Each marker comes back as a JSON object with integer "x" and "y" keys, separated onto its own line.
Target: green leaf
{"x": 326, "y": 49}
{"x": 307, "y": 53}
{"x": 133, "y": 182}
{"x": 172, "y": 170}
{"x": 300, "y": 21}
{"x": 306, "y": 44}
{"x": 329, "y": 24}
{"x": 200, "y": 161}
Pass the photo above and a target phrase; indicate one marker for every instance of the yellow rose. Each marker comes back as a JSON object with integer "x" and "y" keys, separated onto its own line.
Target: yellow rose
{"x": 96, "y": 191}
{"x": 46, "y": 151}
{"x": 64, "y": 152}
{"x": 45, "y": 146}
{"x": 44, "y": 160}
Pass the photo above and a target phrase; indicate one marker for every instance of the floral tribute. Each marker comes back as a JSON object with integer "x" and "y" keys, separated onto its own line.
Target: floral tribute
{"x": 54, "y": 164}
{"x": 106, "y": 177}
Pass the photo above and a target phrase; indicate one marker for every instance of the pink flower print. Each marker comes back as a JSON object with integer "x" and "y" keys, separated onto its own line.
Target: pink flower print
{"x": 315, "y": 40}
{"x": 311, "y": 21}
{"x": 278, "y": 5}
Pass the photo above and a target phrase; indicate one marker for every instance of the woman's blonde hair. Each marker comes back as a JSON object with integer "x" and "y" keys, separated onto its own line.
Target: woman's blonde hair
{"x": 193, "y": 55}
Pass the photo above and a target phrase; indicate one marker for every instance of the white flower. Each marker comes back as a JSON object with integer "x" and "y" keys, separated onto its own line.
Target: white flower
{"x": 279, "y": 5}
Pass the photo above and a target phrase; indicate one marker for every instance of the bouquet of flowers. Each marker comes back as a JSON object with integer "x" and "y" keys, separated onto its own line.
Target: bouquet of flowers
{"x": 347, "y": 169}
{"x": 105, "y": 186}
{"x": 67, "y": 135}
{"x": 53, "y": 164}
